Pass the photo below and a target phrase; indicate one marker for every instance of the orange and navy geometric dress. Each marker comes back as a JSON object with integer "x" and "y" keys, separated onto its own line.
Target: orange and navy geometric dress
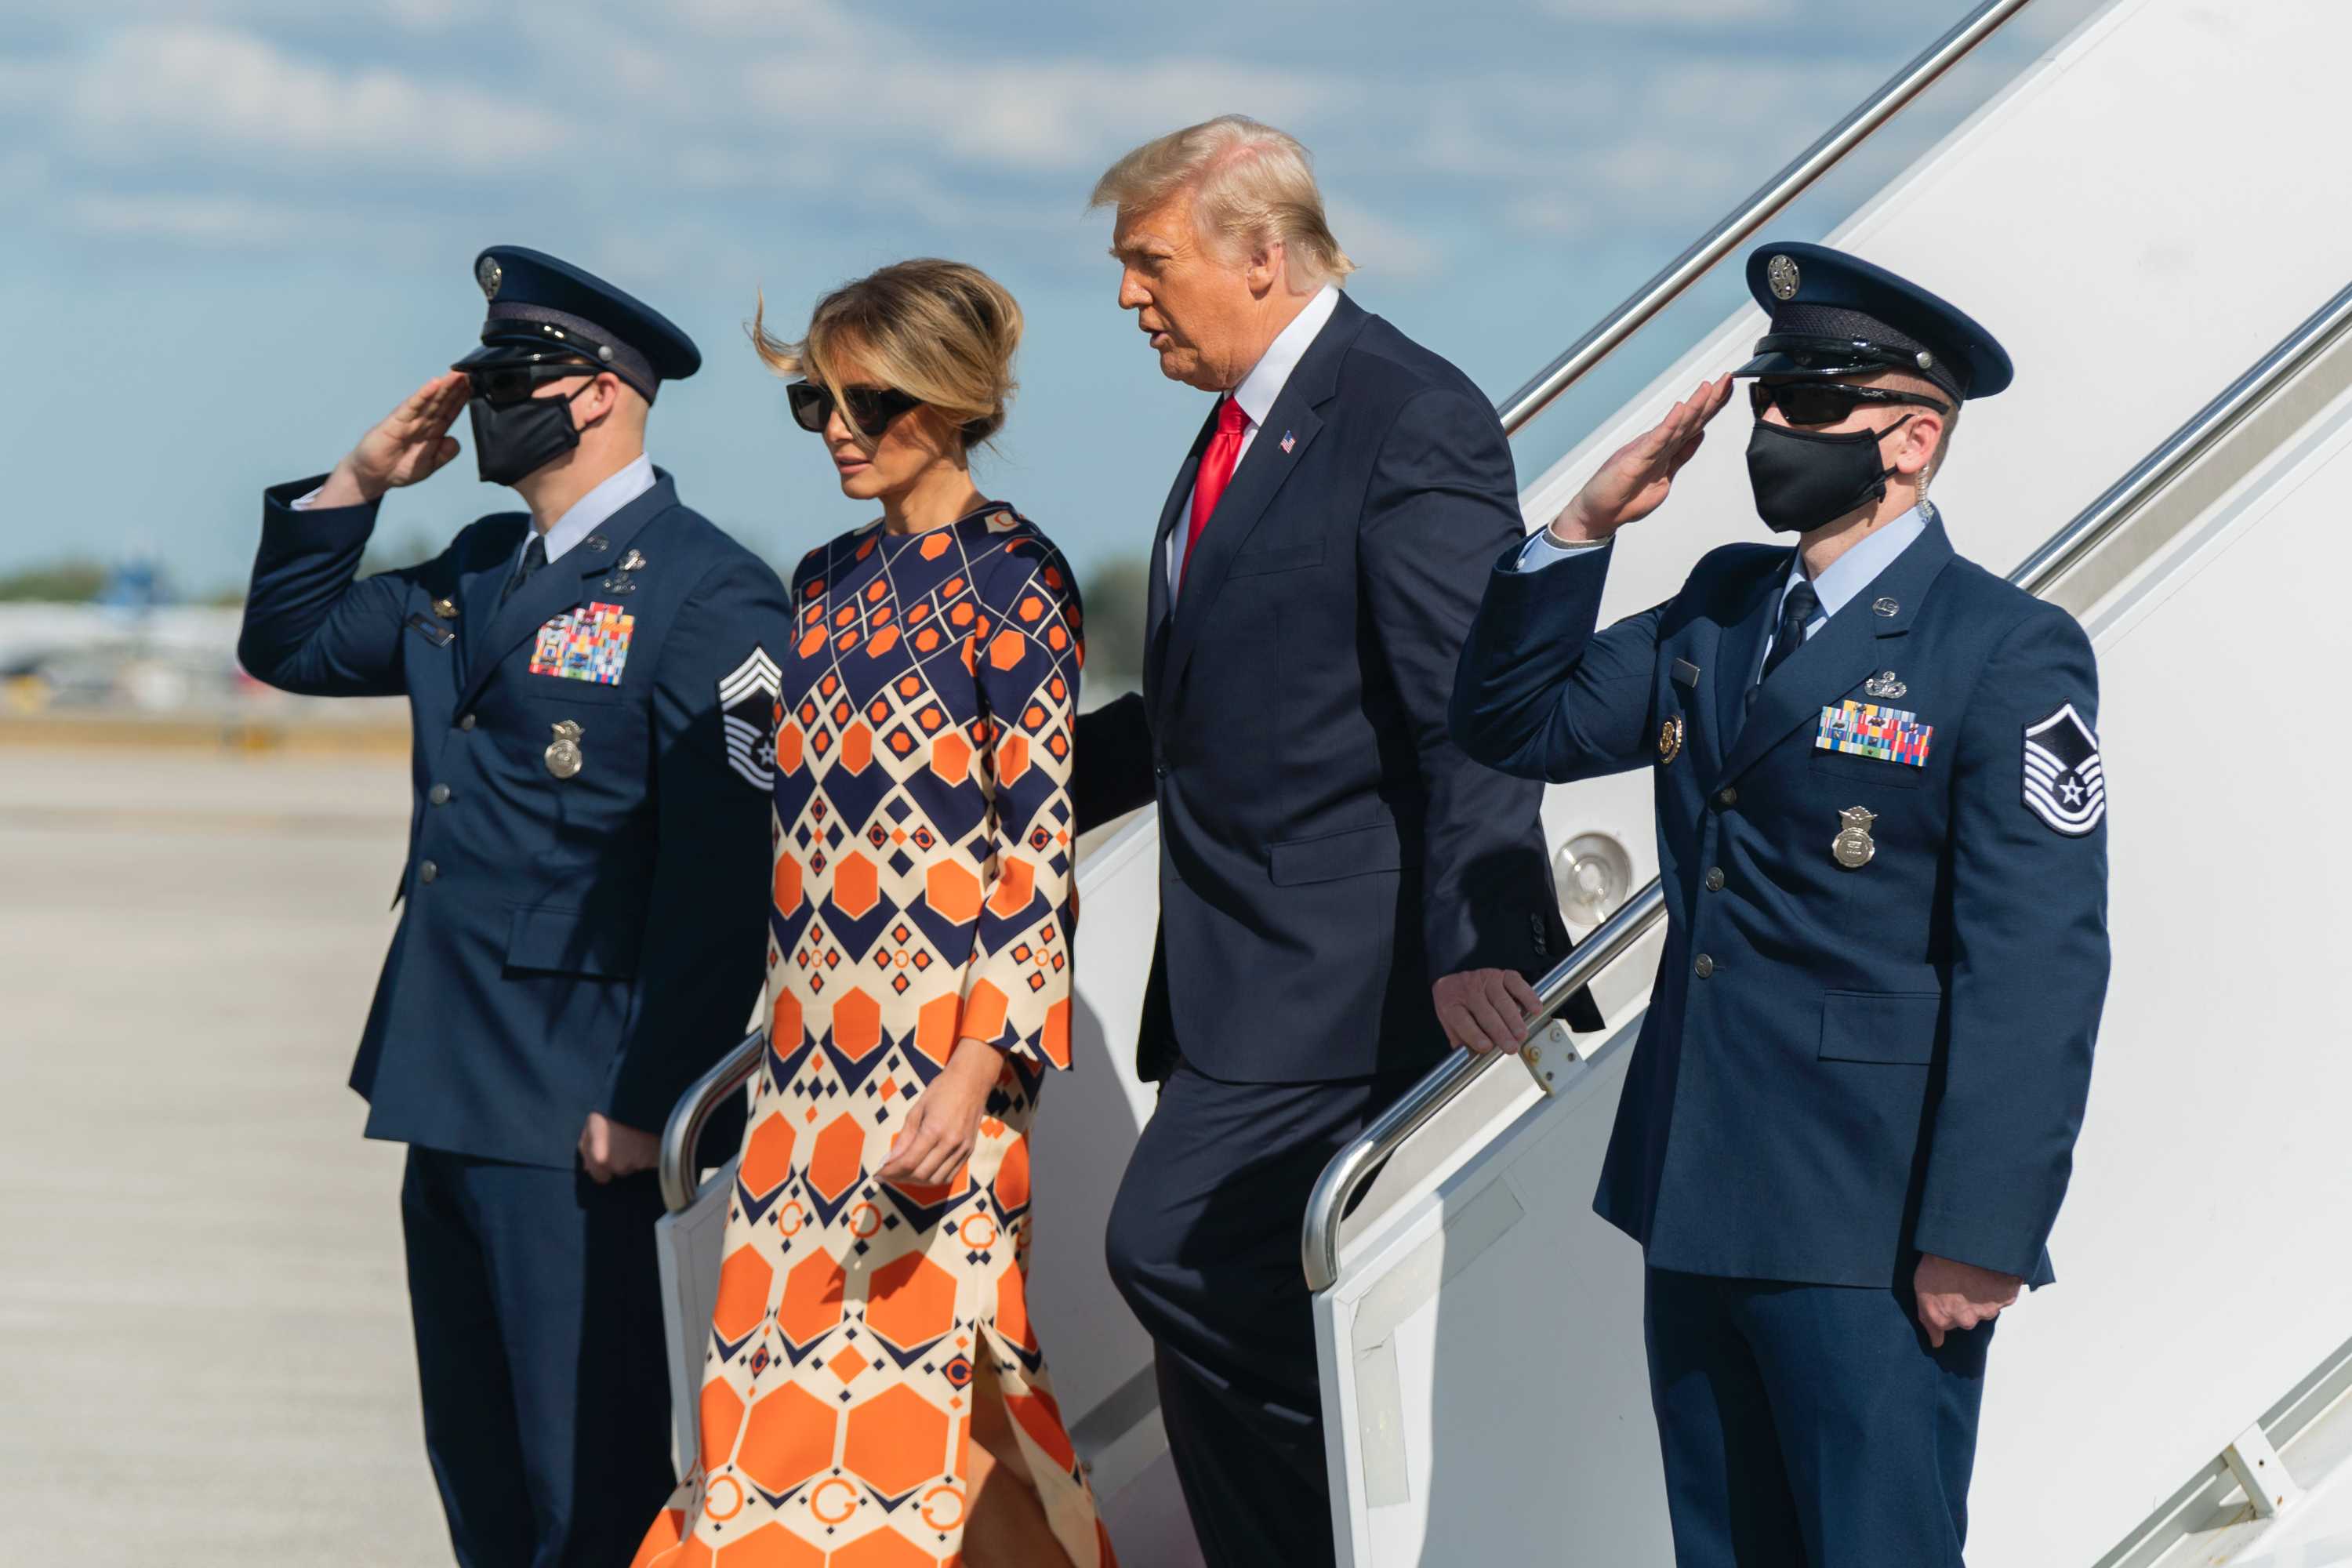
{"x": 923, "y": 894}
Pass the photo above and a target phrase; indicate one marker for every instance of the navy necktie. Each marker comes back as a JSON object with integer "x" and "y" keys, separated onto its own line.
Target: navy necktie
{"x": 1796, "y": 611}
{"x": 534, "y": 556}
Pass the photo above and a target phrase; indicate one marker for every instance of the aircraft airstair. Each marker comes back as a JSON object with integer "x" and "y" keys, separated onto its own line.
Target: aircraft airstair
{"x": 2153, "y": 217}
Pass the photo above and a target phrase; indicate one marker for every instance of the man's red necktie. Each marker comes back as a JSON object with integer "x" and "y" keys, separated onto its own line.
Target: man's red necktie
{"x": 1217, "y": 464}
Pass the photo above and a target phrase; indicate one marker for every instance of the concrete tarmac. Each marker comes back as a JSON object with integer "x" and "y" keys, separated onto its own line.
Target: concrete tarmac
{"x": 205, "y": 1351}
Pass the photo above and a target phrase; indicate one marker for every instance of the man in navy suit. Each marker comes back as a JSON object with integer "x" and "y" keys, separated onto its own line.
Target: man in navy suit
{"x": 1342, "y": 891}
{"x": 1851, "y": 1116}
{"x": 591, "y": 696}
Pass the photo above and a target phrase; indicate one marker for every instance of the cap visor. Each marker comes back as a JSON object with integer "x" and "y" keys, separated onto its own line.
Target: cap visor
{"x": 1816, "y": 366}
{"x": 495, "y": 353}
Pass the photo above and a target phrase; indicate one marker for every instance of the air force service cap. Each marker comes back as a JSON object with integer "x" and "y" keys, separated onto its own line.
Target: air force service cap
{"x": 1835, "y": 314}
{"x": 543, "y": 309}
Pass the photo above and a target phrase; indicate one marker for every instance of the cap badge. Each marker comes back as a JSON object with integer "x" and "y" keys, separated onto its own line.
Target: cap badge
{"x": 1781, "y": 274}
{"x": 488, "y": 274}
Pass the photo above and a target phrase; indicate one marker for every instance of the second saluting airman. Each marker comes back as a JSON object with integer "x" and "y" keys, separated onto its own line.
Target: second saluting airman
{"x": 1849, "y": 1119}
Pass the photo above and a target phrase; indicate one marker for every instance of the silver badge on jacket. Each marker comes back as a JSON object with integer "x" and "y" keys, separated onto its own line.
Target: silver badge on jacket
{"x": 1853, "y": 847}
{"x": 563, "y": 758}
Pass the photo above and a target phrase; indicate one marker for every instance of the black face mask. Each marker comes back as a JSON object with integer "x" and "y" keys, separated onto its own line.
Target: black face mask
{"x": 1803, "y": 479}
{"x": 513, "y": 440}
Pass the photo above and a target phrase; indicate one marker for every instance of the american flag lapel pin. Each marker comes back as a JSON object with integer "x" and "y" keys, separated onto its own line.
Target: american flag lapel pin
{"x": 1289, "y": 441}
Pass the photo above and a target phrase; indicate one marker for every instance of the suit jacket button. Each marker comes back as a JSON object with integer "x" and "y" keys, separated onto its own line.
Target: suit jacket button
{"x": 427, "y": 872}
{"x": 1703, "y": 967}
{"x": 438, "y": 795}
{"x": 1727, "y": 797}
{"x": 1159, "y": 770}
{"x": 1715, "y": 879}
{"x": 466, "y": 722}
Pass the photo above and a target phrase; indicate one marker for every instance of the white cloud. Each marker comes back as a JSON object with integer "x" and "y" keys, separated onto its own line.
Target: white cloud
{"x": 204, "y": 220}
{"x": 149, "y": 92}
{"x": 1050, "y": 115}
{"x": 1385, "y": 248}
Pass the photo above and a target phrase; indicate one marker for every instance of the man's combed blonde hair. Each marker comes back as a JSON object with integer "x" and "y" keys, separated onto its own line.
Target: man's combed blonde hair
{"x": 1251, "y": 186}
{"x": 939, "y": 331}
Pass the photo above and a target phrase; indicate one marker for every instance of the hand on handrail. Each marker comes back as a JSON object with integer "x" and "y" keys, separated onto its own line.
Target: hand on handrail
{"x": 1485, "y": 1009}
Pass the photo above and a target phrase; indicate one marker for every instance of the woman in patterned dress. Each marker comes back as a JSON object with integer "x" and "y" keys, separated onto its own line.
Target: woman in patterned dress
{"x": 875, "y": 1395}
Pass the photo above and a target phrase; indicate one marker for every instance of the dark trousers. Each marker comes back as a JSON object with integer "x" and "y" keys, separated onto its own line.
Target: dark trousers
{"x": 1810, "y": 1425}
{"x": 539, "y": 1346}
{"x": 1203, "y": 1243}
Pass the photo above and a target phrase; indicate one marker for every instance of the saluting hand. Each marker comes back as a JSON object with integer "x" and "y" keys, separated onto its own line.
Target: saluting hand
{"x": 1633, "y": 482}
{"x": 1955, "y": 1296}
{"x": 412, "y": 443}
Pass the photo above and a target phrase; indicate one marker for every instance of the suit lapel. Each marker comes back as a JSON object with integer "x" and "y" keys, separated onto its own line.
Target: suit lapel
{"x": 1742, "y": 644}
{"x": 557, "y": 586}
{"x": 478, "y": 601}
{"x": 1292, "y": 423}
{"x": 1842, "y": 654}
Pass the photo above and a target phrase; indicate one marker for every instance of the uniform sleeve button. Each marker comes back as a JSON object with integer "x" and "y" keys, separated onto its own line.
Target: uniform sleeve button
{"x": 438, "y": 795}
{"x": 466, "y": 722}
{"x": 1727, "y": 797}
{"x": 427, "y": 872}
{"x": 1715, "y": 879}
{"x": 1703, "y": 967}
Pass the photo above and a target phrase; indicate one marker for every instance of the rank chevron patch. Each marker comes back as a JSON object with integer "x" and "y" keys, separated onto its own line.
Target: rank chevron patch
{"x": 747, "y": 703}
{"x": 2065, "y": 781}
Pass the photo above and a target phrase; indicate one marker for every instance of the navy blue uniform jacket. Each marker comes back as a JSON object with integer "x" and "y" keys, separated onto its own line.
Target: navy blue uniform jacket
{"x": 1838, "y": 1069}
{"x": 1327, "y": 851}
{"x": 589, "y": 943}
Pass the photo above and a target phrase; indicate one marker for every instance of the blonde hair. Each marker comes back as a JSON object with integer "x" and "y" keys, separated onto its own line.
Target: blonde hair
{"x": 1251, "y": 185}
{"x": 939, "y": 331}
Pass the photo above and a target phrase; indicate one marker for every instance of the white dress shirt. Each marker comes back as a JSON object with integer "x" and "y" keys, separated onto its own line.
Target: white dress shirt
{"x": 1256, "y": 396}
{"x": 1849, "y": 575}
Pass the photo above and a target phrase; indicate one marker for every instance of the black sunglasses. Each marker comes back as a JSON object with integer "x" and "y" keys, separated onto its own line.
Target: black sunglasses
{"x": 1826, "y": 402}
{"x": 515, "y": 382}
{"x": 870, "y": 408}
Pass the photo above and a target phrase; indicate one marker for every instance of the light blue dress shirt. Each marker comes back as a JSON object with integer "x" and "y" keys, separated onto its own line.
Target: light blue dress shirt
{"x": 590, "y": 512}
{"x": 1848, "y": 575}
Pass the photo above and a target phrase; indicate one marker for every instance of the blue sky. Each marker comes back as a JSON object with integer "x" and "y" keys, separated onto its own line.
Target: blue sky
{"x": 239, "y": 230}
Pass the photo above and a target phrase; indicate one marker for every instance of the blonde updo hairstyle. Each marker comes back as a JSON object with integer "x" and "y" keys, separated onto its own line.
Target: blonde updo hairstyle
{"x": 939, "y": 331}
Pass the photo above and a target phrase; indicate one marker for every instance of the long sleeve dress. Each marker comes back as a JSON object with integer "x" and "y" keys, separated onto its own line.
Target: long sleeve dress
{"x": 923, "y": 894}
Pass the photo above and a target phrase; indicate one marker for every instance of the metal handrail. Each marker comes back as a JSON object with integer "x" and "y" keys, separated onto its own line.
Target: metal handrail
{"x": 693, "y": 1111}
{"x": 1353, "y": 1166}
{"x": 1753, "y": 213}
{"x": 2207, "y": 426}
